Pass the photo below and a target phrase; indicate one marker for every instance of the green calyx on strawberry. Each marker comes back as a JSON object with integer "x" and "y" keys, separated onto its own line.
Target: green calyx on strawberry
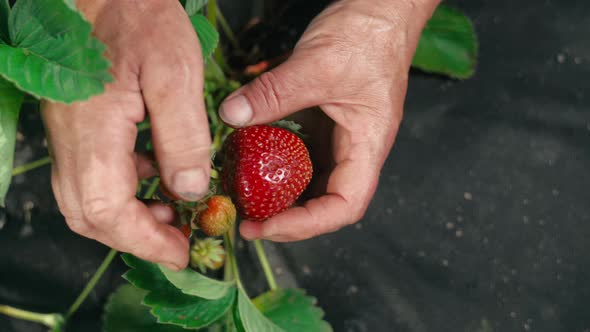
{"x": 206, "y": 254}
{"x": 219, "y": 216}
{"x": 265, "y": 169}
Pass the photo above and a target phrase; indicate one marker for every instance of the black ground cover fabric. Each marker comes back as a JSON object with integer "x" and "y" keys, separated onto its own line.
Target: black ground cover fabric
{"x": 481, "y": 221}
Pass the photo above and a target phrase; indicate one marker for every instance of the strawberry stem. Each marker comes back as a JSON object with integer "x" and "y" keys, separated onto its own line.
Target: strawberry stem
{"x": 31, "y": 166}
{"x": 270, "y": 278}
{"x": 226, "y": 28}
{"x": 152, "y": 189}
{"x": 56, "y": 321}
{"x": 92, "y": 283}
{"x": 217, "y": 138}
{"x": 227, "y": 270}
{"x": 50, "y": 320}
{"x": 232, "y": 257}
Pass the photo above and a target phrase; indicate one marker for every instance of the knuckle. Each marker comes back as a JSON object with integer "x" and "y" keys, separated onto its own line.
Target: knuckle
{"x": 72, "y": 216}
{"x": 178, "y": 144}
{"x": 180, "y": 69}
{"x": 336, "y": 62}
{"x": 176, "y": 74}
{"x": 356, "y": 212}
{"x": 78, "y": 226}
{"x": 356, "y": 215}
{"x": 268, "y": 91}
{"x": 98, "y": 211}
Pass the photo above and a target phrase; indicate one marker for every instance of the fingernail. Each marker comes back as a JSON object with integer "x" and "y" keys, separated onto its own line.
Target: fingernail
{"x": 190, "y": 184}
{"x": 171, "y": 266}
{"x": 236, "y": 111}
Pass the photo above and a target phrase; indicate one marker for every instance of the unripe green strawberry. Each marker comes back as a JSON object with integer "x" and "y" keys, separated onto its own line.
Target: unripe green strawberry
{"x": 207, "y": 254}
{"x": 219, "y": 217}
{"x": 265, "y": 169}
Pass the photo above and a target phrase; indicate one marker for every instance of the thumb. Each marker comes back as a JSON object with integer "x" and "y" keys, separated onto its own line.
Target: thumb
{"x": 286, "y": 89}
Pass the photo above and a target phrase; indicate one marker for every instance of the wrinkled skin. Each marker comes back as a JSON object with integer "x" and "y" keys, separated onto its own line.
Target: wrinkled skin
{"x": 352, "y": 62}
{"x": 157, "y": 67}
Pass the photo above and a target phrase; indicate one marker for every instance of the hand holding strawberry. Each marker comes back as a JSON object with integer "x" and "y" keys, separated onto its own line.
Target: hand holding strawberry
{"x": 353, "y": 63}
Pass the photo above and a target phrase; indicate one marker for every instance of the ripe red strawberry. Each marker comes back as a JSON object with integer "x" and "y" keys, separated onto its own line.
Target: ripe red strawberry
{"x": 219, "y": 217}
{"x": 265, "y": 169}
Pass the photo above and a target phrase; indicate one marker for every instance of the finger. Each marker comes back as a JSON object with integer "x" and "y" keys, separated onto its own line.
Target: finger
{"x": 172, "y": 85}
{"x": 108, "y": 205}
{"x": 136, "y": 231}
{"x": 96, "y": 175}
{"x": 290, "y": 87}
{"x": 163, "y": 213}
{"x": 350, "y": 188}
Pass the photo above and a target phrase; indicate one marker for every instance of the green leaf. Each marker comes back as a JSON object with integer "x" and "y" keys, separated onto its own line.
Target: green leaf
{"x": 124, "y": 312}
{"x": 208, "y": 36}
{"x": 448, "y": 45}
{"x": 168, "y": 303}
{"x": 292, "y": 310}
{"x": 291, "y": 126}
{"x": 52, "y": 53}
{"x": 10, "y": 101}
{"x": 193, "y": 283}
{"x": 287, "y": 124}
{"x": 4, "y": 15}
{"x": 71, "y": 4}
{"x": 249, "y": 319}
{"x": 193, "y": 7}
{"x": 188, "y": 311}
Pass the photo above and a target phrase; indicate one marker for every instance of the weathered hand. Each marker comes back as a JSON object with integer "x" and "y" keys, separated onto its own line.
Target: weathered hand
{"x": 157, "y": 67}
{"x": 353, "y": 63}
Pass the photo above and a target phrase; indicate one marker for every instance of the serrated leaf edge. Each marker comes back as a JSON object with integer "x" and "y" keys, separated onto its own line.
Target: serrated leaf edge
{"x": 107, "y": 307}
{"x": 125, "y": 258}
{"x": 101, "y": 48}
{"x": 159, "y": 321}
{"x": 18, "y": 100}
{"x": 199, "y": 33}
{"x": 312, "y": 299}
{"x": 238, "y": 311}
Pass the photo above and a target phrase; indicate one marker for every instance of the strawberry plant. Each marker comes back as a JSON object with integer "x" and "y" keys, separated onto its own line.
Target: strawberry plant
{"x": 47, "y": 52}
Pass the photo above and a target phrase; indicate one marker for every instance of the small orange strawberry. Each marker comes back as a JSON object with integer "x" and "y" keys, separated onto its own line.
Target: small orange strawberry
{"x": 219, "y": 217}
